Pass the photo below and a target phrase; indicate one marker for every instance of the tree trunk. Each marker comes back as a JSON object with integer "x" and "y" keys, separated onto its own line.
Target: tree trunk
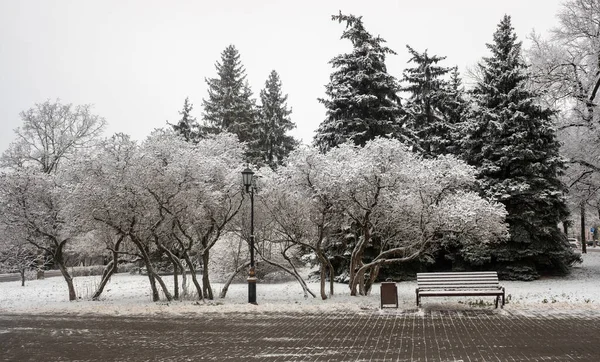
{"x": 294, "y": 272}
{"x": 110, "y": 269}
{"x": 205, "y": 280}
{"x": 184, "y": 289}
{"x": 175, "y": 281}
{"x": 162, "y": 285}
{"x": 230, "y": 279}
{"x": 583, "y": 243}
{"x": 22, "y": 272}
{"x": 190, "y": 265}
{"x": 155, "y": 295}
{"x": 373, "y": 273}
{"x": 108, "y": 272}
{"x": 58, "y": 258}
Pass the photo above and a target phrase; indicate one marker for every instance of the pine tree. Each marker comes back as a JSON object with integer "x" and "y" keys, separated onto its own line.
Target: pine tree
{"x": 455, "y": 110}
{"x": 426, "y": 104}
{"x": 187, "y": 125}
{"x": 513, "y": 144}
{"x": 361, "y": 98}
{"x": 230, "y": 107}
{"x": 273, "y": 144}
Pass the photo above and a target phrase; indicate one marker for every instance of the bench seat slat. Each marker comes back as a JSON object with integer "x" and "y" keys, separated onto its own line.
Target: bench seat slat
{"x": 449, "y": 293}
{"x": 459, "y": 284}
{"x": 468, "y": 281}
{"x": 458, "y": 273}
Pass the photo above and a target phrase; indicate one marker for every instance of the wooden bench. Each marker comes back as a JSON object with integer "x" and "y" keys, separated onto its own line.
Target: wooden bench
{"x": 459, "y": 284}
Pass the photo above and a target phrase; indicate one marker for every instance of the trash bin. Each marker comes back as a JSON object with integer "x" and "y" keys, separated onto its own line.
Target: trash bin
{"x": 389, "y": 294}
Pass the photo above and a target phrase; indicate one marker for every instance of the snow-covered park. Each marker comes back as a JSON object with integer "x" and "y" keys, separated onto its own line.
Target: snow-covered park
{"x": 128, "y": 294}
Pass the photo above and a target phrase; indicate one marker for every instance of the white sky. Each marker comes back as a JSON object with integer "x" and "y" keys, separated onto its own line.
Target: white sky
{"x": 137, "y": 60}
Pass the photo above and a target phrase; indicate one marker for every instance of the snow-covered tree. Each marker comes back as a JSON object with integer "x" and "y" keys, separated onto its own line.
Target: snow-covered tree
{"x": 512, "y": 142}
{"x": 17, "y": 255}
{"x": 362, "y": 101}
{"x": 383, "y": 204}
{"x": 187, "y": 126}
{"x": 168, "y": 197}
{"x": 51, "y": 132}
{"x": 273, "y": 143}
{"x": 230, "y": 106}
{"x": 33, "y": 206}
{"x": 565, "y": 67}
{"x": 426, "y": 106}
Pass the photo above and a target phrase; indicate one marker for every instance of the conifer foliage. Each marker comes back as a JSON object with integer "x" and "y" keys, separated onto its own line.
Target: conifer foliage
{"x": 187, "y": 126}
{"x": 361, "y": 102}
{"x": 513, "y": 144}
{"x": 230, "y": 106}
{"x": 426, "y": 105}
{"x": 273, "y": 143}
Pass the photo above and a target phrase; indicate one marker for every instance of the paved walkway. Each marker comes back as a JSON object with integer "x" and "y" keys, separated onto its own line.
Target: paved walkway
{"x": 388, "y": 335}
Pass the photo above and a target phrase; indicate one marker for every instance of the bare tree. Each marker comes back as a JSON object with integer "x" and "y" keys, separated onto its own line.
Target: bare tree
{"x": 51, "y": 131}
{"x": 16, "y": 255}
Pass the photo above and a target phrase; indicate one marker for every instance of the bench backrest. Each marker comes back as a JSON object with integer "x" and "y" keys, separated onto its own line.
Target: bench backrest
{"x": 458, "y": 280}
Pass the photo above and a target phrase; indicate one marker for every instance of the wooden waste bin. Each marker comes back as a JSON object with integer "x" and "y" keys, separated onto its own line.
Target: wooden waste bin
{"x": 389, "y": 294}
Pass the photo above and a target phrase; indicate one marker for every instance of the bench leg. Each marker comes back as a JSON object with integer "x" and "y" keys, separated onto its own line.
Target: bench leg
{"x": 497, "y": 300}
{"x": 417, "y": 298}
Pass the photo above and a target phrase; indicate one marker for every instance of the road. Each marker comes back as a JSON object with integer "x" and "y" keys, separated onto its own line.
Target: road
{"x": 389, "y": 335}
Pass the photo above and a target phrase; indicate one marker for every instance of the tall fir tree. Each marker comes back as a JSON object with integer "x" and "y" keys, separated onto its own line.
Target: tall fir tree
{"x": 455, "y": 109}
{"x": 512, "y": 142}
{"x": 187, "y": 126}
{"x": 273, "y": 143}
{"x": 426, "y": 107}
{"x": 230, "y": 106}
{"x": 362, "y": 101}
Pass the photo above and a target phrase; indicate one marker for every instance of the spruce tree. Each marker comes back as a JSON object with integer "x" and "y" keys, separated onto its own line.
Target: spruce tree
{"x": 230, "y": 107}
{"x": 455, "y": 109}
{"x": 361, "y": 98}
{"x": 426, "y": 105}
{"x": 187, "y": 126}
{"x": 273, "y": 143}
{"x": 513, "y": 144}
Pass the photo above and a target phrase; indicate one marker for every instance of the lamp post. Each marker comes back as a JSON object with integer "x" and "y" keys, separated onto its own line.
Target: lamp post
{"x": 248, "y": 178}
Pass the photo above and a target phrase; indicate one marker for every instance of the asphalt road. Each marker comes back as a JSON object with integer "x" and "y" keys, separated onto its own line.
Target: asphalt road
{"x": 389, "y": 335}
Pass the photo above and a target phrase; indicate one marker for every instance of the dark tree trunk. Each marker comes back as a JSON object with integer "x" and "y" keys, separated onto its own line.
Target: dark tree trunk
{"x": 230, "y": 279}
{"x": 583, "y": 243}
{"x": 175, "y": 281}
{"x": 194, "y": 277}
{"x": 59, "y": 260}
{"x": 205, "y": 278}
{"x": 110, "y": 269}
{"x": 22, "y": 272}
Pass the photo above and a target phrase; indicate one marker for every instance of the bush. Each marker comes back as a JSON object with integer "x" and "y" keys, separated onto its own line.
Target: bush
{"x": 84, "y": 271}
{"x": 131, "y": 268}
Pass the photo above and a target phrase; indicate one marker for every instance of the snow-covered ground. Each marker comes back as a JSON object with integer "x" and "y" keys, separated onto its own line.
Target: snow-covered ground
{"x": 130, "y": 295}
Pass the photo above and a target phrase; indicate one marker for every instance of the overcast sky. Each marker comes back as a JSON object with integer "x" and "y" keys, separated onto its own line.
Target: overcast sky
{"x": 137, "y": 60}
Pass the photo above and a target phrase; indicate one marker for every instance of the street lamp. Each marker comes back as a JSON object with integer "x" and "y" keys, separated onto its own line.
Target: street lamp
{"x": 248, "y": 178}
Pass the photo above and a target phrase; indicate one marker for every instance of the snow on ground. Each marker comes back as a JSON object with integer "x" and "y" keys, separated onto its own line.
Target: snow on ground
{"x": 129, "y": 294}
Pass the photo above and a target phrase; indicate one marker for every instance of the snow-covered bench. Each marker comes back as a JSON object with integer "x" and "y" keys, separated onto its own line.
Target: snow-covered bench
{"x": 459, "y": 284}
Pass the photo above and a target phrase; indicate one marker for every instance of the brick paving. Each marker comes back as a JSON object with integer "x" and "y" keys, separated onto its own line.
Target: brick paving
{"x": 379, "y": 335}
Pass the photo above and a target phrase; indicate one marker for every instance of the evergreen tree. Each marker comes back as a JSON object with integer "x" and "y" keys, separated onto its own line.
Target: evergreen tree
{"x": 426, "y": 104}
{"x": 230, "y": 107}
{"x": 455, "y": 110}
{"x": 513, "y": 144}
{"x": 361, "y": 98}
{"x": 273, "y": 143}
{"x": 187, "y": 125}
